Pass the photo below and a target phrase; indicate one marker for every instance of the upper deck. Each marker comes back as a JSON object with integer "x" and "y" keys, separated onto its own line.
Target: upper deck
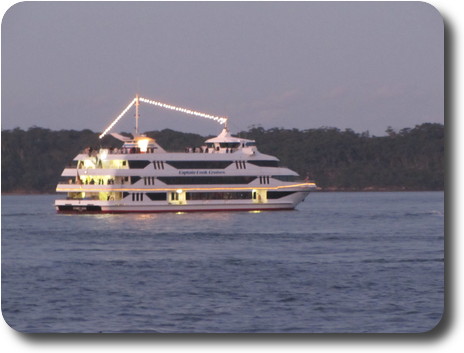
{"x": 224, "y": 143}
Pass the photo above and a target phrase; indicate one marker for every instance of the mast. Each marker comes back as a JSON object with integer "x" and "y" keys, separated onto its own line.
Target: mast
{"x": 137, "y": 103}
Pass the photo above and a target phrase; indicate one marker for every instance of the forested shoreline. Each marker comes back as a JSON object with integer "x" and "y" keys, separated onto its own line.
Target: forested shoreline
{"x": 337, "y": 160}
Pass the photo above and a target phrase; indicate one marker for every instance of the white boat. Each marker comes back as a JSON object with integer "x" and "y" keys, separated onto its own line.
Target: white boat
{"x": 227, "y": 173}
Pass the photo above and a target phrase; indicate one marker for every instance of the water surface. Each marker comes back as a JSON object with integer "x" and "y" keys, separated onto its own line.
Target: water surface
{"x": 341, "y": 262}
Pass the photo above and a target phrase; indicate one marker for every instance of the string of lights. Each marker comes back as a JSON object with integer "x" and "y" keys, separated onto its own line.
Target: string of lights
{"x": 219, "y": 119}
{"x": 117, "y": 119}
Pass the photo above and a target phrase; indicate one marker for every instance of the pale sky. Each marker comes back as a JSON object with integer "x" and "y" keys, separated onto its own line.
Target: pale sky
{"x": 358, "y": 65}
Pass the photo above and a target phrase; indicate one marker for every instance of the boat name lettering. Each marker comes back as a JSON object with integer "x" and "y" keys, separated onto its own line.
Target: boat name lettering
{"x": 201, "y": 172}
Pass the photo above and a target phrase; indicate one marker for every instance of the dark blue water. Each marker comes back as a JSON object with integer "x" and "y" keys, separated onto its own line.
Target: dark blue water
{"x": 342, "y": 262}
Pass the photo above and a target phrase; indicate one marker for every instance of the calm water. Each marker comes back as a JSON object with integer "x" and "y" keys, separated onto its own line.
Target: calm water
{"x": 342, "y": 262}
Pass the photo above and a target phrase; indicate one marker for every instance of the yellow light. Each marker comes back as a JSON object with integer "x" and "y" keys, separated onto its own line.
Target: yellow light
{"x": 179, "y": 191}
{"x": 88, "y": 164}
{"x": 103, "y": 154}
{"x": 143, "y": 145}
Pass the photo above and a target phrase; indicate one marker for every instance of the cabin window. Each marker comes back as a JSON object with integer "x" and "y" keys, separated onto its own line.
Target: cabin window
{"x": 135, "y": 179}
{"x": 199, "y": 164}
{"x": 157, "y": 196}
{"x": 137, "y": 196}
{"x": 138, "y": 164}
{"x": 149, "y": 180}
{"x": 207, "y": 180}
{"x": 265, "y": 163}
{"x": 243, "y": 195}
{"x": 286, "y": 177}
{"x": 278, "y": 194}
{"x": 158, "y": 164}
{"x": 229, "y": 144}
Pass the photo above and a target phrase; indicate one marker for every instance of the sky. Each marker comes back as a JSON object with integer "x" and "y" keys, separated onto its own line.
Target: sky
{"x": 358, "y": 65}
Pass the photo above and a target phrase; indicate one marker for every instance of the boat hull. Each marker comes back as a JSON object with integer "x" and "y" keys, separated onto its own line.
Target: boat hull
{"x": 95, "y": 206}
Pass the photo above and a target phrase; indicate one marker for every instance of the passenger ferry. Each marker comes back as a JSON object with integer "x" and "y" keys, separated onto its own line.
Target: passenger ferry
{"x": 227, "y": 173}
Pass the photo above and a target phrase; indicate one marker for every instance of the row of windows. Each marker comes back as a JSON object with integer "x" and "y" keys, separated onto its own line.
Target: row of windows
{"x": 207, "y": 180}
{"x": 137, "y": 196}
{"x": 158, "y": 164}
{"x": 231, "y": 144}
{"x": 194, "y": 180}
{"x": 218, "y": 196}
{"x": 199, "y": 164}
{"x": 149, "y": 180}
{"x": 194, "y": 196}
{"x": 138, "y": 164}
{"x": 216, "y": 180}
{"x": 141, "y": 164}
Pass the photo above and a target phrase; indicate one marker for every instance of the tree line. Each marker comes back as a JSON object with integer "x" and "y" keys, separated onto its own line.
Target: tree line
{"x": 408, "y": 159}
